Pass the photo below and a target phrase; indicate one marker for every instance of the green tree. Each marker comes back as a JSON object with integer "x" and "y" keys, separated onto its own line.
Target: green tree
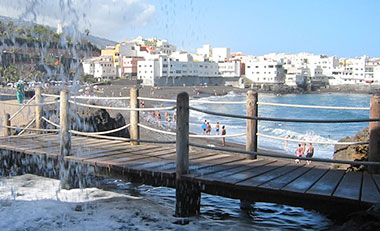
{"x": 10, "y": 74}
{"x": 87, "y": 78}
{"x": 87, "y": 31}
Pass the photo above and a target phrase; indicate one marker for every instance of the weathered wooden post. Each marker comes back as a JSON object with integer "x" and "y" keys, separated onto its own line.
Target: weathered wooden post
{"x": 251, "y": 143}
{"x": 38, "y": 101}
{"x": 374, "y": 134}
{"x": 252, "y": 110}
{"x": 7, "y": 124}
{"x": 134, "y": 117}
{"x": 65, "y": 137}
{"x": 188, "y": 196}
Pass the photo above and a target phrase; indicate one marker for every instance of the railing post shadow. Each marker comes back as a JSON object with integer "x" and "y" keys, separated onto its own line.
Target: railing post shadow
{"x": 252, "y": 110}
{"x": 188, "y": 195}
{"x": 374, "y": 134}
{"x": 38, "y": 100}
{"x": 134, "y": 131}
{"x": 65, "y": 140}
{"x": 7, "y": 124}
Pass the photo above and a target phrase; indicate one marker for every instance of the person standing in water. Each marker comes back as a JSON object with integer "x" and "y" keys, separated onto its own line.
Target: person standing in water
{"x": 217, "y": 128}
{"x": 309, "y": 153}
{"x": 20, "y": 92}
{"x": 224, "y": 132}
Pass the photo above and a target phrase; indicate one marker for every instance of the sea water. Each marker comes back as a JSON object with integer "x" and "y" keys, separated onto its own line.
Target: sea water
{"x": 308, "y": 132}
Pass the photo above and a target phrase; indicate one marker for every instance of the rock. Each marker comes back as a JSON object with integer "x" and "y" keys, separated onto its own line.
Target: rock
{"x": 78, "y": 208}
{"x": 91, "y": 120}
{"x": 353, "y": 152}
{"x": 363, "y": 220}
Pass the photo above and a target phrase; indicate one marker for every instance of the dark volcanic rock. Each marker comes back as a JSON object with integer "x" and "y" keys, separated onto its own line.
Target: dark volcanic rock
{"x": 353, "y": 152}
{"x": 91, "y": 120}
{"x": 362, "y": 220}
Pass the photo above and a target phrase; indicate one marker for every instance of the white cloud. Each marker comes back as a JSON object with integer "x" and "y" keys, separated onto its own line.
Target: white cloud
{"x": 101, "y": 17}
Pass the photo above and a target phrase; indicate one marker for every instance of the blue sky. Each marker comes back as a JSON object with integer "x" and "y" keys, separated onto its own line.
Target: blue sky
{"x": 344, "y": 28}
{"x": 332, "y": 27}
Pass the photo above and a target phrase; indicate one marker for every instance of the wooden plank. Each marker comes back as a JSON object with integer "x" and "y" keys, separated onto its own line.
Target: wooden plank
{"x": 222, "y": 174}
{"x": 250, "y": 173}
{"x": 86, "y": 148}
{"x": 261, "y": 179}
{"x": 162, "y": 155}
{"x": 350, "y": 186}
{"x": 376, "y": 178}
{"x": 304, "y": 182}
{"x": 138, "y": 151}
{"x": 280, "y": 182}
{"x": 370, "y": 193}
{"x": 198, "y": 163}
{"x": 217, "y": 168}
{"x": 223, "y": 161}
{"x": 96, "y": 154}
{"x": 328, "y": 183}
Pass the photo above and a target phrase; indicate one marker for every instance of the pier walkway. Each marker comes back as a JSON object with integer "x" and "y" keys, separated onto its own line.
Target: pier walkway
{"x": 270, "y": 180}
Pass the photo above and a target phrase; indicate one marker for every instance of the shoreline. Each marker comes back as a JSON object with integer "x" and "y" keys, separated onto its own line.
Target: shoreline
{"x": 171, "y": 93}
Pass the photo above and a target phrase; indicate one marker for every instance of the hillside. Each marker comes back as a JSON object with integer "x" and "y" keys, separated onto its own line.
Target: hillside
{"x": 101, "y": 43}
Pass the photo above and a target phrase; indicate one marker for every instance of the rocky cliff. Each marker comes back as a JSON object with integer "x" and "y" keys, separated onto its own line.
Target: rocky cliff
{"x": 353, "y": 152}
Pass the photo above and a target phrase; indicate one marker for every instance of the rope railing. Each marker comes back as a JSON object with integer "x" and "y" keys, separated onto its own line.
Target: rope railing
{"x": 50, "y": 95}
{"x": 99, "y": 97}
{"x": 20, "y": 109}
{"x": 310, "y": 141}
{"x": 120, "y": 138}
{"x": 104, "y": 132}
{"x": 31, "y": 129}
{"x": 123, "y": 108}
{"x": 287, "y": 156}
{"x": 157, "y": 99}
{"x": 284, "y": 119}
{"x": 30, "y": 105}
{"x": 215, "y": 102}
{"x": 27, "y": 126}
{"x": 51, "y": 122}
{"x": 156, "y": 130}
{"x": 312, "y": 106}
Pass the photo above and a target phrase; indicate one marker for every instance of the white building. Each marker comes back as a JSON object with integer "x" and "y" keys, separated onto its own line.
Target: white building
{"x": 104, "y": 68}
{"x": 89, "y": 65}
{"x": 229, "y": 69}
{"x": 261, "y": 71}
{"x": 296, "y": 77}
{"x": 218, "y": 54}
{"x": 351, "y": 71}
{"x": 164, "y": 47}
{"x": 179, "y": 64}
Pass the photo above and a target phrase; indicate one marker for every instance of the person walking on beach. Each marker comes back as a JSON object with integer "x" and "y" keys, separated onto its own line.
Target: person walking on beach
{"x": 224, "y": 132}
{"x": 299, "y": 153}
{"x": 217, "y": 128}
{"x": 309, "y": 153}
{"x": 20, "y": 92}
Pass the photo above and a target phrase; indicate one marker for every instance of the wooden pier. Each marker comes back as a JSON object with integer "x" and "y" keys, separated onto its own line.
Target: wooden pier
{"x": 72, "y": 156}
{"x": 268, "y": 180}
